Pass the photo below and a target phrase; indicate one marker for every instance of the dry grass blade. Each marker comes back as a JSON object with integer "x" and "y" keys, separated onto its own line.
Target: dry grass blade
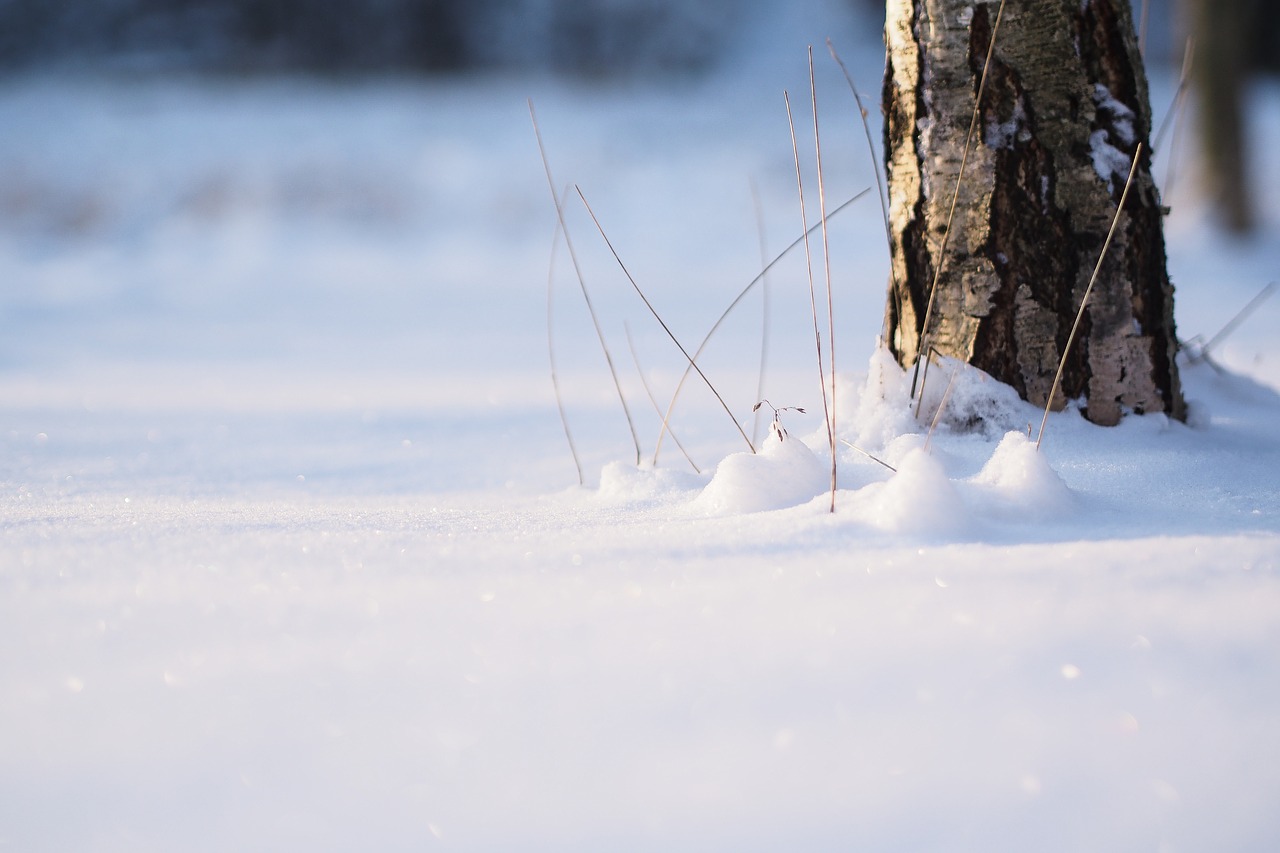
{"x": 1179, "y": 95}
{"x": 955, "y": 196}
{"x": 631, "y": 345}
{"x": 1084, "y": 301}
{"x": 1239, "y": 318}
{"x": 758, "y": 207}
{"x": 875, "y": 168}
{"x": 662, "y": 322}
{"x": 551, "y": 356}
{"x": 582, "y": 283}
{"x": 826, "y": 263}
{"x": 1175, "y": 114}
{"x": 737, "y": 300}
{"x": 875, "y": 459}
{"x": 808, "y": 258}
{"x": 937, "y": 416}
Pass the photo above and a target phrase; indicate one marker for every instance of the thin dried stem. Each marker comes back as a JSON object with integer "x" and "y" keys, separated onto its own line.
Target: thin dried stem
{"x": 551, "y": 355}
{"x": 880, "y": 190}
{"x": 724, "y": 315}
{"x": 582, "y": 283}
{"x": 826, "y": 263}
{"x": 808, "y": 258}
{"x": 1239, "y": 318}
{"x": 1084, "y": 301}
{"x": 662, "y": 322}
{"x": 644, "y": 382}
{"x": 758, "y": 206}
{"x": 1176, "y": 113}
{"x": 955, "y": 196}
{"x": 937, "y": 416}
{"x": 868, "y": 455}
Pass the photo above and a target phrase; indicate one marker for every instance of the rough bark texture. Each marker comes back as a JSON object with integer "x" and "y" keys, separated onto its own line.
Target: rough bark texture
{"x": 1064, "y": 108}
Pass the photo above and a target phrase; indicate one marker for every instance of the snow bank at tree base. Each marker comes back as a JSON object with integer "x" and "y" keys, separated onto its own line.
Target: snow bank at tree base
{"x": 920, "y": 487}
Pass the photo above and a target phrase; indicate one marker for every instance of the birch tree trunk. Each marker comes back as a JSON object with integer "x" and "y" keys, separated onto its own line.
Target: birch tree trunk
{"x": 1064, "y": 108}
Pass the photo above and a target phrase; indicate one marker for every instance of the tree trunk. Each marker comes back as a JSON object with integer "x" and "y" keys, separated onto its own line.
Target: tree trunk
{"x": 1221, "y": 34}
{"x": 1064, "y": 108}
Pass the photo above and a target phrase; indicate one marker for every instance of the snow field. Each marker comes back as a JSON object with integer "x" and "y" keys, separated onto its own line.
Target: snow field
{"x": 292, "y": 558}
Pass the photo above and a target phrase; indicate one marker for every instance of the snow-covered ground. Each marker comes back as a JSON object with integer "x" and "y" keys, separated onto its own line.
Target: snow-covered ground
{"x": 293, "y": 555}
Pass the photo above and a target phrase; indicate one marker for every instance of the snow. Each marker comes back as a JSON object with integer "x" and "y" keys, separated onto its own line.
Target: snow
{"x": 294, "y": 555}
{"x": 1109, "y": 160}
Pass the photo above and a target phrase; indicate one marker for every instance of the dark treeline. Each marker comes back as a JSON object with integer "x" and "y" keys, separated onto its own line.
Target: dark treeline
{"x": 366, "y": 36}
{"x": 379, "y": 36}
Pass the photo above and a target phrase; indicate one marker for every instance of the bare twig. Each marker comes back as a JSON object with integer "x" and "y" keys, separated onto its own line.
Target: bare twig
{"x": 573, "y": 255}
{"x": 662, "y": 322}
{"x": 778, "y": 428}
{"x": 1084, "y": 301}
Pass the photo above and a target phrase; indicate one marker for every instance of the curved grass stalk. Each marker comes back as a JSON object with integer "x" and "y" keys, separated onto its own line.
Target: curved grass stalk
{"x": 737, "y": 300}
{"x": 880, "y": 190}
{"x": 573, "y": 255}
{"x": 662, "y": 322}
{"x": 551, "y": 356}
{"x": 826, "y": 263}
{"x": 631, "y": 345}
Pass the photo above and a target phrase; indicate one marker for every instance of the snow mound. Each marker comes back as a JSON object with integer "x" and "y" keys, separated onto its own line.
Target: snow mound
{"x": 972, "y": 402}
{"x": 625, "y": 483}
{"x": 883, "y": 410}
{"x": 1018, "y": 481}
{"x": 783, "y": 474}
{"x": 919, "y": 498}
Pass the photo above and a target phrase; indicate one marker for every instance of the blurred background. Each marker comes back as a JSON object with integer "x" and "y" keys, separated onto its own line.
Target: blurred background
{"x": 583, "y": 38}
{"x": 338, "y": 205}
{"x": 593, "y": 37}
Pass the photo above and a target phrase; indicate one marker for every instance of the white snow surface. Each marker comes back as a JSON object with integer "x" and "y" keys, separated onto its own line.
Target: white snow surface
{"x": 294, "y": 557}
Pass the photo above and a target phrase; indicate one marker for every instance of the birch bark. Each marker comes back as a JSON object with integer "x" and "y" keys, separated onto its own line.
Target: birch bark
{"x": 1064, "y": 108}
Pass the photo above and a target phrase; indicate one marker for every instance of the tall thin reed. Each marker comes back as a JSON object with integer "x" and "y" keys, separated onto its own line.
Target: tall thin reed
{"x": 808, "y": 259}
{"x": 737, "y": 300}
{"x": 582, "y": 283}
{"x": 937, "y": 415}
{"x": 1175, "y": 113}
{"x": 662, "y": 322}
{"x": 826, "y": 263}
{"x": 758, "y": 207}
{"x": 644, "y": 382}
{"x": 551, "y": 354}
{"x": 875, "y": 169}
